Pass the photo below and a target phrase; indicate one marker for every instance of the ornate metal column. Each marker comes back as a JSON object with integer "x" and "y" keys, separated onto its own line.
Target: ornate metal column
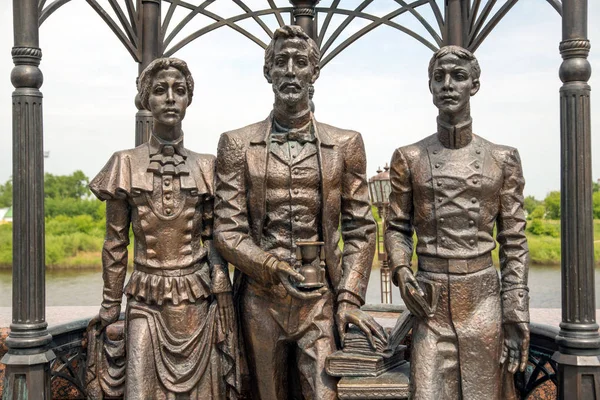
{"x": 578, "y": 340}
{"x": 454, "y": 23}
{"x": 151, "y": 49}
{"x": 27, "y": 361}
{"x": 304, "y": 15}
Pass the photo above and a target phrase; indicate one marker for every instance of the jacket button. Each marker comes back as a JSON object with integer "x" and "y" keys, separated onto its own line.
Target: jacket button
{"x": 475, "y": 181}
{"x": 442, "y": 220}
{"x": 477, "y": 166}
{"x": 167, "y": 182}
{"x": 521, "y": 294}
{"x": 444, "y": 239}
{"x": 439, "y": 199}
{"x": 296, "y": 218}
{"x": 471, "y": 223}
{"x": 439, "y": 183}
{"x": 168, "y": 211}
{"x": 435, "y": 151}
{"x": 471, "y": 242}
{"x": 473, "y": 200}
{"x": 168, "y": 196}
{"x": 478, "y": 151}
{"x": 437, "y": 165}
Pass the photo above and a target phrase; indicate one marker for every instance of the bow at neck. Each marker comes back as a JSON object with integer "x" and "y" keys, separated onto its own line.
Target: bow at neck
{"x": 302, "y": 135}
{"x": 167, "y": 158}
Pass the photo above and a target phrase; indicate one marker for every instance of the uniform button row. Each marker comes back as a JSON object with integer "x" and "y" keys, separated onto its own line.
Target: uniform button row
{"x": 168, "y": 196}
{"x": 471, "y": 222}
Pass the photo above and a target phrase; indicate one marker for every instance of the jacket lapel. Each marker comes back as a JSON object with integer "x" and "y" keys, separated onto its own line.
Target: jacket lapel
{"x": 331, "y": 172}
{"x": 257, "y": 157}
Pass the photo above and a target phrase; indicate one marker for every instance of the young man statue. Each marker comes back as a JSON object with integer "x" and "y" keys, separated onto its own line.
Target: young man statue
{"x": 452, "y": 188}
{"x": 281, "y": 181}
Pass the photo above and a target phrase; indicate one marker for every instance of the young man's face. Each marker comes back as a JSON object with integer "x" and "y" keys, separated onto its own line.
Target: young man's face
{"x": 452, "y": 84}
{"x": 168, "y": 99}
{"x": 291, "y": 72}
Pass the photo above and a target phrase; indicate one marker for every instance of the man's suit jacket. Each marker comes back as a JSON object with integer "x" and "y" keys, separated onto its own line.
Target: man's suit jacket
{"x": 240, "y": 205}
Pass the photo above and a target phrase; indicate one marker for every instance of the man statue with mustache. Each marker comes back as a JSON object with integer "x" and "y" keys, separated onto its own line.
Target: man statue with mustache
{"x": 472, "y": 328}
{"x": 284, "y": 180}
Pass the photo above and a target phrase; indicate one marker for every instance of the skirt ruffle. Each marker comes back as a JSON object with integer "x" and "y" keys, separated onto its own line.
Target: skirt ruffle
{"x": 158, "y": 289}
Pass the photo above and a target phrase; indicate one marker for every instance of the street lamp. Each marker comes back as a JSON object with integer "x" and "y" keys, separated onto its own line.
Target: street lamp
{"x": 380, "y": 188}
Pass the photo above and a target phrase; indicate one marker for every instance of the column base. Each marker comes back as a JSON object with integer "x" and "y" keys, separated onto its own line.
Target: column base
{"x": 27, "y": 376}
{"x": 578, "y": 376}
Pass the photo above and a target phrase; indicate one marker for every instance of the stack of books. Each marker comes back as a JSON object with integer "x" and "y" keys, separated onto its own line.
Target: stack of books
{"x": 360, "y": 358}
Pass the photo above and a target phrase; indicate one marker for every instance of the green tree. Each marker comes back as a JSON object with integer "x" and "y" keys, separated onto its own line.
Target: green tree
{"x": 6, "y": 194}
{"x": 530, "y": 204}
{"x": 596, "y": 186}
{"x": 72, "y": 186}
{"x": 552, "y": 203}
{"x": 596, "y": 203}
{"x": 538, "y": 213}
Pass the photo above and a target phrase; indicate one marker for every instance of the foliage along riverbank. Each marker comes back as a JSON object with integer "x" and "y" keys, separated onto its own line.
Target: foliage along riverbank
{"x": 75, "y": 224}
{"x": 75, "y": 241}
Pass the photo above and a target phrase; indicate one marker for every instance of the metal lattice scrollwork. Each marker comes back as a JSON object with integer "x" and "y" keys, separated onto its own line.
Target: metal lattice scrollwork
{"x": 540, "y": 370}
{"x": 477, "y": 19}
{"x": 69, "y": 365}
{"x": 67, "y": 370}
{"x": 541, "y": 367}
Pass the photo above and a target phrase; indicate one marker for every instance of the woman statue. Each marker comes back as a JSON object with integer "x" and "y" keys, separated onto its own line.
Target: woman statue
{"x": 180, "y": 334}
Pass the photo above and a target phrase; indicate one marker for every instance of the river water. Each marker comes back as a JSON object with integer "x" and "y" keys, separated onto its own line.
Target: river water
{"x": 83, "y": 287}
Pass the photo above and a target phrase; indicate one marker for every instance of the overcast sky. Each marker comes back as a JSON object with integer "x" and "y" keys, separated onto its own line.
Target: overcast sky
{"x": 377, "y": 86}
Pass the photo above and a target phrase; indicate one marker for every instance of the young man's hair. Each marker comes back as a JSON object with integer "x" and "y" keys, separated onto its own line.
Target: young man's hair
{"x": 290, "y": 32}
{"x": 148, "y": 74}
{"x": 459, "y": 52}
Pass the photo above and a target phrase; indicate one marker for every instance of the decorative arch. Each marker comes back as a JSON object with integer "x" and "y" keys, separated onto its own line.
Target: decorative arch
{"x": 475, "y": 20}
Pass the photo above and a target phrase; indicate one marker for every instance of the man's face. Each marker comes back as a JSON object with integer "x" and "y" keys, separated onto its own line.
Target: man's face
{"x": 291, "y": 73}
{"x": 452, "y": 84}
{"x": 168, "y": 97}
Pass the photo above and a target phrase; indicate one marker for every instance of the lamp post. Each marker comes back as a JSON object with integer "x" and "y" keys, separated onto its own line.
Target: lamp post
{"x": 380, "y": 188}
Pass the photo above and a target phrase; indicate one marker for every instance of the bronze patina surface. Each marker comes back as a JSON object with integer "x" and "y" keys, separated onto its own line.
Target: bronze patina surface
{"x": 472, "y": 327}
{"x": 180, "y": 328}
{"x": 286, "y": 179}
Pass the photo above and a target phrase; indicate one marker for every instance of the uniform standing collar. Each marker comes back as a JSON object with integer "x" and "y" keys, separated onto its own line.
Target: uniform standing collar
{"x": 455, "y": 136}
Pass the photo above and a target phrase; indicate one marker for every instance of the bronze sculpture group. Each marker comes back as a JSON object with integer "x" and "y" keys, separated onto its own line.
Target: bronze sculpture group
{"x": 283, "y": 192}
